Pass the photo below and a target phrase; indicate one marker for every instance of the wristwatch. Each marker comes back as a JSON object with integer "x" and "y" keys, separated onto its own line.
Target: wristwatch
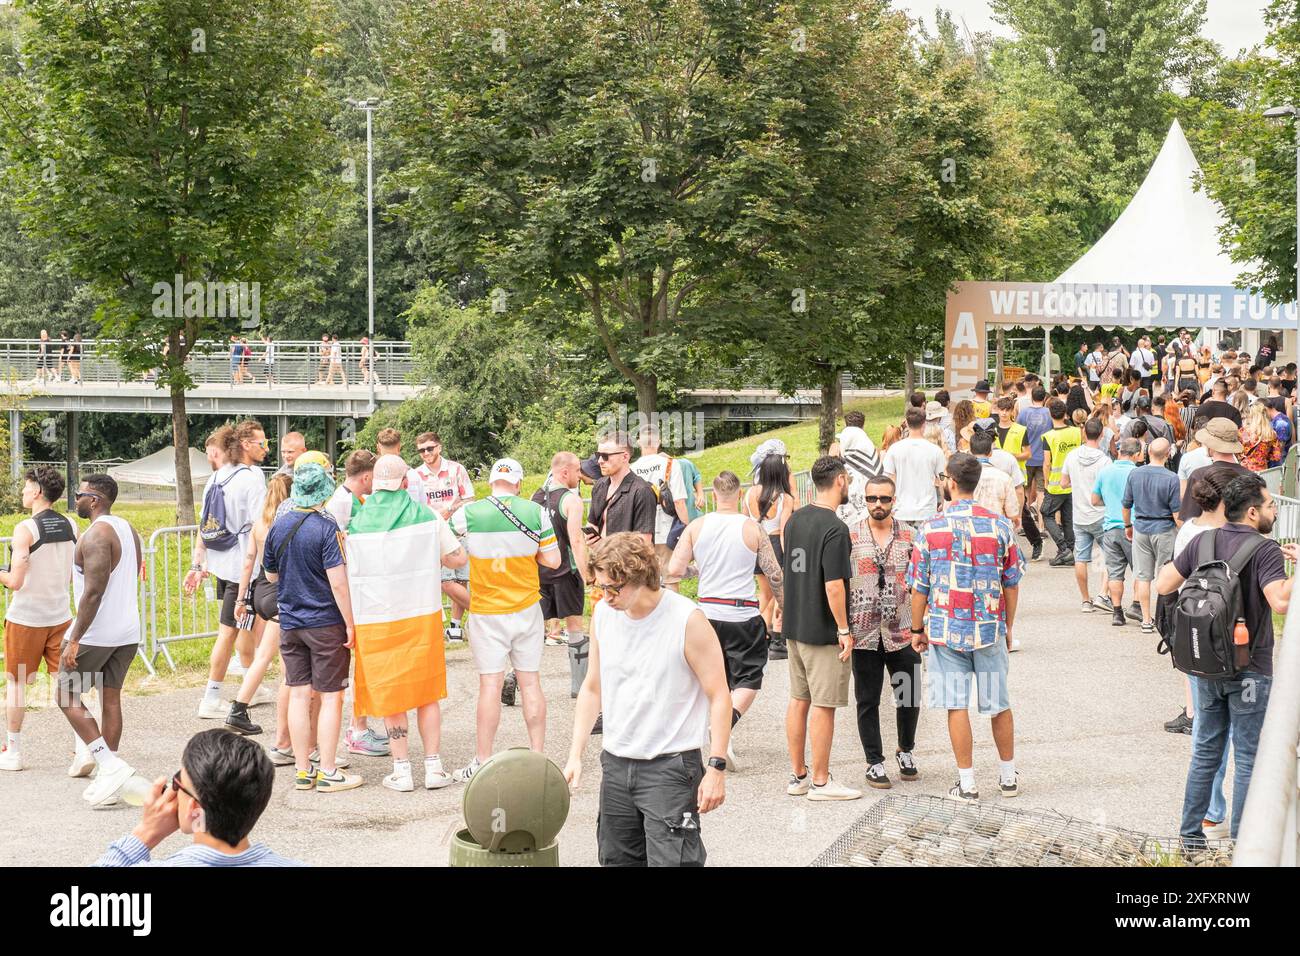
{"x": 718, "y": 763}
{"x": 841, "y": 631}
{"x": 918, "y": 630}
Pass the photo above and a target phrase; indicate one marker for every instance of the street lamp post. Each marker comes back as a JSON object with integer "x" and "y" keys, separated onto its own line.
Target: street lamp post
{"x": 370, "y": 106}
{"x": 1290, "y": 112}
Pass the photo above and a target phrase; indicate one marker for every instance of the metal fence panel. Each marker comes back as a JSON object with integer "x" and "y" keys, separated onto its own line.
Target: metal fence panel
{"x": 170, "y": 614}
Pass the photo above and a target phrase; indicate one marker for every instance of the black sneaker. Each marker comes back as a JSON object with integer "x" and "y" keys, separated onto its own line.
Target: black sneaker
{"x": 1134, "y": 612}
{"x": 776, "y": 649}
{"x": 877, "y": 778}
{"x": 508, "y": 689}
{"x": 1182, "y": 724}
{"x": 1037, "y": 552}
{"x": 907, "y": 766}
{"x": 238, "y": 721}
{"x": 1117, "y": 618}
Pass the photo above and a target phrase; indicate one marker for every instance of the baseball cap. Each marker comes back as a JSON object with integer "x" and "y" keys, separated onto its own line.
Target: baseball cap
{"x": 982, "y": 386}
{"x": 1220, "y": 434}
{"x": 506, "y": 469}
{"x": 389, "y": 472}
{"x": 311, "y": 458}
{"x": 933, "y": 411}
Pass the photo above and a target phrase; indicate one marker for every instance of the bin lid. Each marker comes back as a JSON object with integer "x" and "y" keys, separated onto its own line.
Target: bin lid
{"x": 516, "y": 802}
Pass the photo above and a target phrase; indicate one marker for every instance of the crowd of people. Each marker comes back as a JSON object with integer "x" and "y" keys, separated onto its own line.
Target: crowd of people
{"x": 55, "y": 358}
{"x": 903, "y": 557}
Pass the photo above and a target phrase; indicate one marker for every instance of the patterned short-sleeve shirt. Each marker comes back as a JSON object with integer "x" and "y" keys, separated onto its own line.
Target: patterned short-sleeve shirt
{"x": 962, "y": 560}
{"x": 879, "y": 612}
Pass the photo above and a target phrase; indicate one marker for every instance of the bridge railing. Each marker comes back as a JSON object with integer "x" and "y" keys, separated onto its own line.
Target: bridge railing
{"x": 295, "y": 363}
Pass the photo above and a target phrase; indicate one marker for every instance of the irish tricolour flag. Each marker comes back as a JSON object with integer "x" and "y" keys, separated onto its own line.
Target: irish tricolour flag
{"x": 394, "y": 555}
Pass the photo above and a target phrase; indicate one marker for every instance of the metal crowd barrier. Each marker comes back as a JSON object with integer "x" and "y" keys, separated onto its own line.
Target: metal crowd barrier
{"x": 171, "y": 615}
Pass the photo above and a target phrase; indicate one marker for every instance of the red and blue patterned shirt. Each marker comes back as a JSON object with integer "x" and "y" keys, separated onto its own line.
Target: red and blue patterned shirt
{"x": 962, "y": 560}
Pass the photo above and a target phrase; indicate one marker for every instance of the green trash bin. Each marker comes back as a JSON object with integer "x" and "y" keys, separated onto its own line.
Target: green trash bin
{"x": 514, "y": 807}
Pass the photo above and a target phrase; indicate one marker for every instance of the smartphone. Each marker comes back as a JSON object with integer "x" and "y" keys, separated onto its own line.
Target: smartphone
{"x": 591, "y": 531}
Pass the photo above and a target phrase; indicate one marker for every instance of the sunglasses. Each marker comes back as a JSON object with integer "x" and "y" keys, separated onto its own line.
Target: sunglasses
{"x": 882, "y": 499}
{"x": 428, "y": 449}
{"x": 611, "y": 590}
{"x": 88, "y": 494}
{"x": 179, "y": 787}
{"x": 607, "y": 455}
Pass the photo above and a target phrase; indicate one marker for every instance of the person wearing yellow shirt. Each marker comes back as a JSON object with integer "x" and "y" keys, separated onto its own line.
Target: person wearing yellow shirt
{"x": 983, "y": 407}
{"x": 1057, "y": 512}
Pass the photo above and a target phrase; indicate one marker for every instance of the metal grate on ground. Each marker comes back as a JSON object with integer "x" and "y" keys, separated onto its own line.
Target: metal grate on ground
{"x": 935, "y": 831}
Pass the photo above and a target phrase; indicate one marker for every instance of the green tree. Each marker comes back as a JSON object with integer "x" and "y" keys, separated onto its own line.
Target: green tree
{"x": 1248, "y": 161}
{"x": 640, "y": 162}
{"x": 148, "y": 139}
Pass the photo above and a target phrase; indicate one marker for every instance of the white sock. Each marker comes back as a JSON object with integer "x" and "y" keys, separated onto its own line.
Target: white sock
{"x": 432, "y": 758}
{"x": 967, "y": 777}
{"x": 402, "y": 768}
{"x": 213, "y": 693}
{"x": 104, "y": 758}
{"x": 1007, "y": 770}
{"x": 15, "y": 741}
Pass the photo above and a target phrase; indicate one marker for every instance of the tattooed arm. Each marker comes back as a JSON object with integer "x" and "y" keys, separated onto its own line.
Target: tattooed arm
{"x": 767, "y": 561}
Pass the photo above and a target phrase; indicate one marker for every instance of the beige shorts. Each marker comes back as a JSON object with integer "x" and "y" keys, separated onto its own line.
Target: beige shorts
{"x": 665, "y": 554}
{"x": 514, "y": 639}
{"x": 817, "y": 674}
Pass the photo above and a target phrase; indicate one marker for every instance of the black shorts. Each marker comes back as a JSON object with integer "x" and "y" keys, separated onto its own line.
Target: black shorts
{"x": 45, "y": 361}
{"x": 96, "y": 666}
{"x": 264, "y": 598}
{"x": 227, "y": 594}
{"x": 775, "y": 539}
{"x": 316, "y": 656}
{"x": 563, "y": 597}
{"x": 744, "y": 651}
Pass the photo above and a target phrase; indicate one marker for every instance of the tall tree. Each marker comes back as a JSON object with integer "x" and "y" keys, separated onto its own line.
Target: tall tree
{"x": 156, "y": 139}
{"x": 635, "y": 160}
{"x": 1248, "y": 161}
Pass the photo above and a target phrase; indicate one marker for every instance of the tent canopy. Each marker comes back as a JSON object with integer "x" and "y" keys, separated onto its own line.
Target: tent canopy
{"x": 1167, "y": 235}
{"x": 159, "y": 469}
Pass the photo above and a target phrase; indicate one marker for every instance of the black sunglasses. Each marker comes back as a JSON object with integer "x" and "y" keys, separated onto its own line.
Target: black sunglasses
{"x": 607, "y": 455}
{"x": 883, "y": 499}
{"x": 88, "y": 494}
{"x": 179, "y": 787}
{"x": 428, "y": 448}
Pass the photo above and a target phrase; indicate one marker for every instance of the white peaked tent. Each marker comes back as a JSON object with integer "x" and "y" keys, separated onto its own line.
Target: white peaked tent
{"x": 1167, "y": 235}
{"x": 159, "y": 469}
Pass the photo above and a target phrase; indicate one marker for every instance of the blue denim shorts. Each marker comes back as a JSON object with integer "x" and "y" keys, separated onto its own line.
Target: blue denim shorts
{"x": 1084, "y": 536}
{"x": 950, "y": 673}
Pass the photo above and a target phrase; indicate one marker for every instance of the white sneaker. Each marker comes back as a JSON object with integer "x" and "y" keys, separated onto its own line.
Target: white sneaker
{"x": 401, "y": 782}
{"x": 108, "y": 783}
{"x": 1220, "y": 831}
{"x": 1015, "y": 645}
{"x": 235, "y": 668}
{"x": 831, "y": 790}
{"x": 213, "y": 709}
{"x": 435, "y": 778}
{"x": 82, "y": 763}
{"x": 11, "y": 760}
{"x": 464, "y": 774}
{"x": 732, "y": 763}
{"x": 280, "y": 758}
{"x": 263, "y": 695}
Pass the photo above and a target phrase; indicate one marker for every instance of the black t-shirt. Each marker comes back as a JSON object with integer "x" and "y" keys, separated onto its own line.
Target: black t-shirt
{"x": 1266, "y": 565}
{"x": 1002, "y": 435}
{"x": 1189, "y": 508}
{"x": 1075, "y": 400}
{"x": 816, "y": 551}
{"x": 1080, "y": 358}
{"x": 632, "y": 508}
{"x": 1217, "y": 409}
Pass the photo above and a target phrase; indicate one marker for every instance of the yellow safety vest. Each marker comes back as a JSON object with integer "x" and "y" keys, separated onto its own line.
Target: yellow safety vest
{"x": 1060, "y": 442}
{"x": 1014, "y": 443}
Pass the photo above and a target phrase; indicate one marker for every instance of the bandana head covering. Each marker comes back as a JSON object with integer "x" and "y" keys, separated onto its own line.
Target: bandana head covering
{"x": 773, "y": 446}
{"x": 311, "y": 485}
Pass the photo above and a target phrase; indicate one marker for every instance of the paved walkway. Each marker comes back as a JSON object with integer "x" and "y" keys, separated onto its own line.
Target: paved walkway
{"x": 1089, "y": 701}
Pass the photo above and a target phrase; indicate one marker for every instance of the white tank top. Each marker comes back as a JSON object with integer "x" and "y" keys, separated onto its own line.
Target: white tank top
{"x": 726, "y": 566}
{"x": 770, "y": 525}
{"x": 652, "y": 701}
{"x": 42, "y": 601}
{"x": 117, "y": 621}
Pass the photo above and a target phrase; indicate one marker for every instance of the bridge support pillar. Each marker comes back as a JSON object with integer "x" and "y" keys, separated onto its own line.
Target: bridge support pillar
{"x": 16, "y": 442}
{"x": 74, "y": 450}
{"x": 281, "y": 429}
{"x": 331, "y": 437}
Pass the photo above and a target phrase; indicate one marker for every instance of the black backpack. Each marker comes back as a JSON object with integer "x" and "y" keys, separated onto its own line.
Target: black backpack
{"x": 1198, "y": 635}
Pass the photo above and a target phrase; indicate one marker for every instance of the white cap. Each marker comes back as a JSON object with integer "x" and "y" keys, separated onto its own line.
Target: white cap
{"x": 506, "y": 469}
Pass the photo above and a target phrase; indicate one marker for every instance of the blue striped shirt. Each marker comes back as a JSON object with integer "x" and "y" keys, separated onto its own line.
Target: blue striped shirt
{"x": 129, "y": 851}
